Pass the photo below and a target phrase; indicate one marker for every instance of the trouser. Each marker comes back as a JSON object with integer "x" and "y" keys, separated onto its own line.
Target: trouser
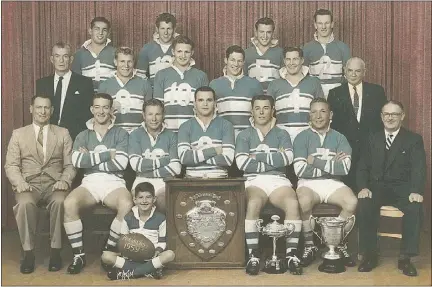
{"x": 368, "y": 214}
{"x": 26, "y": 211}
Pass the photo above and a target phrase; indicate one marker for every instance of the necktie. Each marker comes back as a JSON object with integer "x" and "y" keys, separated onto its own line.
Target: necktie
{"x": 56, "y": 102}
{"x": 40, "y": 136}
{"x": 39, "y": 144}
{"x": 356, "y": 101}
{"x": 389, "y": 141}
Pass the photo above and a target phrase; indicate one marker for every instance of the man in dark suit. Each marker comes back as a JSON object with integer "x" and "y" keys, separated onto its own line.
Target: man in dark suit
{"x": 391, "y": 171}
{"x": 71, "y": 94}
{"x": 356, "y": 107}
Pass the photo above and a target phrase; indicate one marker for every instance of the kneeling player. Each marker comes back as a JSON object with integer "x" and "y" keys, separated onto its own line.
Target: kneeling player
{"x": 321, "y": 156}
{"x": 101, "y": 151}
{"x": 262, "y": 152}
{"x": 143, "y": 219}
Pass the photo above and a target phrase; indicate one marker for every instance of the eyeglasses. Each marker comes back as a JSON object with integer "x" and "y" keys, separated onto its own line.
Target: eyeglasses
{"x": 392, "y": 115}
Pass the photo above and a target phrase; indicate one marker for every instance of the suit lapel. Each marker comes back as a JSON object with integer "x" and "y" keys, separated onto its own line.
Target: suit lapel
{"x": 365, "y": 101}
{"x": 380, "y": 146}
{"x": 51, "y": 85}
{"x": 51, "y": 143}
{"x": 32, "y": 142}
{"x": 395, "y": 147}
{"x": 69, "y": 92}
{"x": 347, "y": 98}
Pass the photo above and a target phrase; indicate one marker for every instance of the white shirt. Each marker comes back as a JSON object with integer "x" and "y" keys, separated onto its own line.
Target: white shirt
{"x": 65, "y": 85}
{"x": 393, "y": 133}
{"x": 45, "y": 136}
{"x": 359, "y": 88}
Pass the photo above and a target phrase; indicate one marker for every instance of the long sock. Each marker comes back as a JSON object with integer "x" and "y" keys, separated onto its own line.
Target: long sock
{"x": 142, "y": 269}
{"x": 348, "y": 226}
{"x": 74, "y": 231}
{"x": 114, "y": 233}
{"x": 120, "y": 262}
{"x": 252, "y": 235}
{"x": 307, "y": 233}
{"x": 293, "y": 239}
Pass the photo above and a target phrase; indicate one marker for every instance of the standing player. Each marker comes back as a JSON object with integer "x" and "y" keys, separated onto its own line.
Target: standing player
{"x": 206, "y": 142}
{"x": 262, "y": 152}
{"x": 293, "y": 93}
{"x": 157, "y": 54}
{"x": 129, "y": 91}
{"x": 101, "y": 151}
{"x": 264, "y": 58}
{"x": 175, "y": 86}
{"x": 325, "y": 56}
{"x": 153, "y": 151}
{"x": 234, "y": 91}
{"x": 95, "y": 59}
{"x": 321, "y": 157}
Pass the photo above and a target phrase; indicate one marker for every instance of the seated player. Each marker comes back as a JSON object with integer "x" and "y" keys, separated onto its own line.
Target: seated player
{"x": 101, "y": 151}
{"x": 262, "y": 152}
{"x": 206, "y": 141}
{"x": 153, "y": 151}
{"x": 321, "y": 157}
{"x": 143, "y": 219}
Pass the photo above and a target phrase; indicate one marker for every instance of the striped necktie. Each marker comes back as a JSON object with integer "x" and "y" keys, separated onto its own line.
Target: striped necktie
{"x": 356, "y": 103}
{"x": 389, "y": 141}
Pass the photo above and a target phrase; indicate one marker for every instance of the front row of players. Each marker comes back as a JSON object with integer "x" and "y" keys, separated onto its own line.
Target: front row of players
{"x": 207, "y": 147}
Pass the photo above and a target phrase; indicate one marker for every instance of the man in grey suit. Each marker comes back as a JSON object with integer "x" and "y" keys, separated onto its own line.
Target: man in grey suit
{"x": 39, "y": 167}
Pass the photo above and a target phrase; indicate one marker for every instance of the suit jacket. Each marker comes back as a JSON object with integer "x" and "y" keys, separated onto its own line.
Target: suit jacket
{"x": 345, "y": 121}
{"x": 24, "y": 163}
{"x": 76, "y": 107}
{"x": 404, "y": 169}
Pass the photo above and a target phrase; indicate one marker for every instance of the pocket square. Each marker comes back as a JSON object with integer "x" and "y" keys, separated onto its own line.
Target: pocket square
{"x": 77, "y": 92}
{"x": 403, "y": 151}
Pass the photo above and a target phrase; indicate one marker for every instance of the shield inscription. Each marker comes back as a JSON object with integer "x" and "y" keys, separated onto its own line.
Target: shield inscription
{"x": 205, "y": 221}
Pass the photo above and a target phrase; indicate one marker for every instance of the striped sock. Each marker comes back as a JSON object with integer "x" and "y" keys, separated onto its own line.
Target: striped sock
{"x": 293, "y": 239}
{"x": 114, "y": 233}
{"x": 252, "y": 235}
{"x": 74, "y": 231}
{"x": 307, "y": 232}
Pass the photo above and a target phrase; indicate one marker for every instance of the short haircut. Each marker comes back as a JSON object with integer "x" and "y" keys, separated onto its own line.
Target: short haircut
{"x": 263, "y": 98}
{"x": 125, "y": 51}
{"x": 103, "y": 96}
{"x": 154, "y": 103}
{"x": 100, "y": 19}
{"x": 395, "y": 102}
{"x": 167, "y": 18}
{"x": 181, "y": 39}
{"x": 234, "y": 49}
{"x": 323, "y": 12}
{"x": 293, "y": 49}
{"x": 63, "y": 45}
{"x": 205, "y": 89}
{"x": 43, "y": 96}
{"x": 320, "y": 100}
{"x": 265, "y": 21}
{"x": 145, "y": 187}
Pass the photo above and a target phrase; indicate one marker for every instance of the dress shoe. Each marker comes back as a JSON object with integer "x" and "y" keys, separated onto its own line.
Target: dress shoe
{"x": 77, "y": 264}
{"x": 407, "y": 267}
{"x": 28, "y": 263}
{"x": 368, "y": 263}
{"x": 55, "y": 263}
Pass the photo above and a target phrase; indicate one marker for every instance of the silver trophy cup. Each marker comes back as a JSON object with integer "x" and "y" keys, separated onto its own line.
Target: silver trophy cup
{"x": 275, "y": 230}
{"x": 332, "y": 234}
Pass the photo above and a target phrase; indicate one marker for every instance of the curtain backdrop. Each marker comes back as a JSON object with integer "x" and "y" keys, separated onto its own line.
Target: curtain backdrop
{"x": 394, "y": 39}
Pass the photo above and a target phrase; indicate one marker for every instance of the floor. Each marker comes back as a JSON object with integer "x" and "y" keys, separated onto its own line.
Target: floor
{"x": 385, "y": 274}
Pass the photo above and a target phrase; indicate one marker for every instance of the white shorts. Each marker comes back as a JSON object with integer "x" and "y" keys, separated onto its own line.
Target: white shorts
{"x": 323, "y": 187}
{"x": 268, "y": 183}
{"x": 101, "y": 184}
{"x": 158, "y": 184}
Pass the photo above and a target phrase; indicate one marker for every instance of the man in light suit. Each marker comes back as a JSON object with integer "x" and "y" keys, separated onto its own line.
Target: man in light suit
{"x": 392, "y": 171}
{"x": 39, "y": 167}
{"x": 71, "y": 93}
{"x": 356, "y": 107}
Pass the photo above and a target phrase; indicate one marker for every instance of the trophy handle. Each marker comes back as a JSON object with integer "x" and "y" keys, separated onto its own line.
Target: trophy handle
{"x": 313, "y": 229}
{"x": 258, "y": 224}
{"x": 291, "y": 229}
{"x": 351, "y": 218}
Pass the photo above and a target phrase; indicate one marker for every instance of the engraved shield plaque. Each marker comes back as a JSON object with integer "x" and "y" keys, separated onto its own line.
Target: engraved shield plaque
{"x": 205, "y": 221}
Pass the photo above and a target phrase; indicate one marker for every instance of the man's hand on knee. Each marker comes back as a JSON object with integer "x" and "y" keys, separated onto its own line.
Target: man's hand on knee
{"x": 415, "y": 197}
{"x": 23, "y": 187}
{"x": 61, "y": 185}
{"x": 365, "y": 193}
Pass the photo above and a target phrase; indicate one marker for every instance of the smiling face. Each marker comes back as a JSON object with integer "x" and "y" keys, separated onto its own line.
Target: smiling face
{"x": 234, "y": 64}
{"x": 99, "y": 33}
{"x": 324, "y": 25}
{"x": 264, "y": 34}
{"x": 392, "y": 116}
{"x": 320, "y": 116}
{"x": 125, "y": 65}
{"x": 166, "y": 32}
{"x": 41, "y": 111}
{"x": 262, "y": 112}
{"x": 101, "y": 110}
{"x": 144, "y": 200}
{"x": 182, "y": 54}
{"x": 153, "y": 118}
{"x": 293, "y": 62}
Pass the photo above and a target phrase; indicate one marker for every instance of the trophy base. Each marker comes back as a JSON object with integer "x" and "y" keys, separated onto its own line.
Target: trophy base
{"x": 275, "y": 266}
{"x": 332, "y": 266}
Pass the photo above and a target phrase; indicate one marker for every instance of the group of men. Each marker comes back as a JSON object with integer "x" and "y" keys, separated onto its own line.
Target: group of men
{"x": 128, "y": 129}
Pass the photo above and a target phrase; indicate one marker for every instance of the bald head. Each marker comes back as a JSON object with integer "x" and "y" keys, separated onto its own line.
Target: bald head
{"x": 355, "y": 70}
